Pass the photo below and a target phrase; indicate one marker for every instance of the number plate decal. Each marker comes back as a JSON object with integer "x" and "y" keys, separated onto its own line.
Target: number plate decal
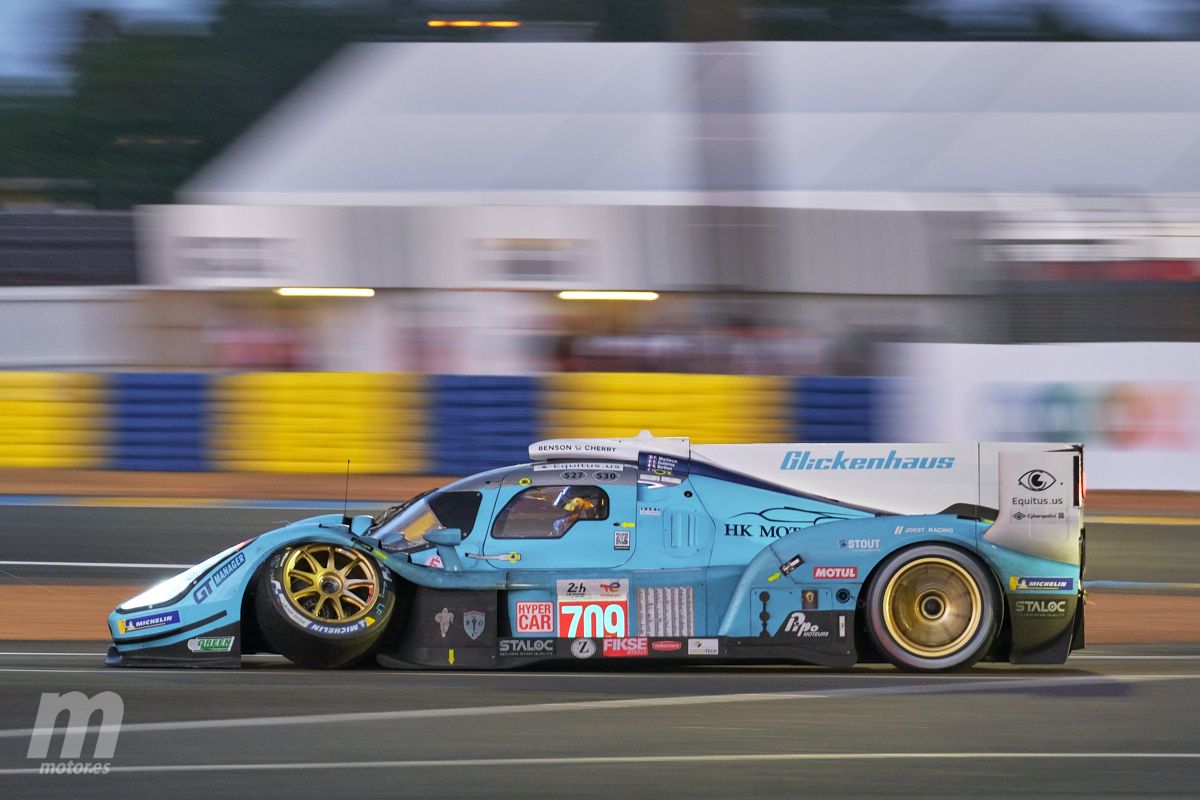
{"x": 593, "y": 608}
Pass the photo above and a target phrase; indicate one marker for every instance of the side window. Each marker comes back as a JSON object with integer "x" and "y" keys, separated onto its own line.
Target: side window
{"x": 548, "y": 512}
{"x": 443, "y": 510}
{"x": 456, "y": 509}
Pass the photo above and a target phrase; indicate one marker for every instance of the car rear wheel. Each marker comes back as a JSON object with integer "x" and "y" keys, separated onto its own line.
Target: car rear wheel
{"x": 932, "y": 608}
{"x": 322, "y": 605}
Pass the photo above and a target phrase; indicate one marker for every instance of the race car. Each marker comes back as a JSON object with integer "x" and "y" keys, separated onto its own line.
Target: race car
{"x": 928, "y": 556}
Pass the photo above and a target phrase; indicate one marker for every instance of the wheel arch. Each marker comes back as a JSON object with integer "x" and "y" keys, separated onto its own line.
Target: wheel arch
{"x": 266, "y": 545}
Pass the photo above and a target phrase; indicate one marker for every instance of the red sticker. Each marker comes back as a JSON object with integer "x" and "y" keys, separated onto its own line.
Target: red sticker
{"x": 636, "y": 646}
{"x": 535, "y": 617}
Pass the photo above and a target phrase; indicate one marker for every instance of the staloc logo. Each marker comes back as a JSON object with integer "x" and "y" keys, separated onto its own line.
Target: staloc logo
{"x": 1040, "y": 608}
{"x": 804, "y": 460}
{"x": 527, "y": 647}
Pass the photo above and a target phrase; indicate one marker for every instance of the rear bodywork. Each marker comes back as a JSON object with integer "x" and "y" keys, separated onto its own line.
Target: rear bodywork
{"x": 729, "y": 552}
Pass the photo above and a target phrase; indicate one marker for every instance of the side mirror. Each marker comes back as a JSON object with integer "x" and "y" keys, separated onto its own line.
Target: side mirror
{"x": 444, "y": 537}
{"x": 445, "y": 541}
{"x": 361, "y": 524}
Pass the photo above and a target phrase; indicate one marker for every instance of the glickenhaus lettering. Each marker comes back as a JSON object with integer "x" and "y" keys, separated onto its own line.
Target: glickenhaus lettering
{"x": 804, "y": 460}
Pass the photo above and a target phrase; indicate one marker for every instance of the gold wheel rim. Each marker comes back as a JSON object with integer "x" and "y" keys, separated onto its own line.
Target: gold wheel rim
{"x": 932, "y": 607}
{"x": 328, "y": 583}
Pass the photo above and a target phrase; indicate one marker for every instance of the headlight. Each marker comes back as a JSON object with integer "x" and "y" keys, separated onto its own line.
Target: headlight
{"x": 174, "y": 588}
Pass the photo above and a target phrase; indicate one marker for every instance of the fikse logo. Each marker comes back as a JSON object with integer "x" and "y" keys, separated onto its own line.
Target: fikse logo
{"x": 1037, "y": 480}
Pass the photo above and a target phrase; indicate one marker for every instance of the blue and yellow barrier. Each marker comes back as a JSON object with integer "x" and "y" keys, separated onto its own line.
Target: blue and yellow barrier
{"x": 481, "y": 421}
{"x": 398, "y": 423}
{"x": 316, "y": 421}
{"x": 159, "y": 421}
{"x": 711, "y": 409}
{"x": 835, "y": 409}
{"x": 53, "y": 419}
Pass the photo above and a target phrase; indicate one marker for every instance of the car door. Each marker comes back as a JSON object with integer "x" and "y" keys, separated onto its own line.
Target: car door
{"x": 557, "y": 517}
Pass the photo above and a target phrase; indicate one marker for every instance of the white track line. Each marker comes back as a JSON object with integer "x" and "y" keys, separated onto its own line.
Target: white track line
{"x": 97, "y": 564}
{"x": 582, "y": 761}
{"x": 32, "y": 653}
{"x": 19, "y": 653}
{"x": 1135, "y": 658}
{"x": 924, "y": 687}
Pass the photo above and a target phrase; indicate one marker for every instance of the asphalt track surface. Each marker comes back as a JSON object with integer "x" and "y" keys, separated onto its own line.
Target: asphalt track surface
{"x": 1115, "y": 721}
{"x": 1114, "y": 724}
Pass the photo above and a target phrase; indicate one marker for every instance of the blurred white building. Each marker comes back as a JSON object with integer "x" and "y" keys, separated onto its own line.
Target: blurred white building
{"x": 891, "y": 189}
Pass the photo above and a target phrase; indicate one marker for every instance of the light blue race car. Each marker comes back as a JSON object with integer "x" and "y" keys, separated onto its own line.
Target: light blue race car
{"x": 929, "y": 556}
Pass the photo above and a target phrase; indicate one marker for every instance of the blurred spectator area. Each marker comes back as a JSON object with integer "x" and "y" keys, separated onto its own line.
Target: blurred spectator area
{"x": 67, "y": 248}
{"x": 1091, "y": 266}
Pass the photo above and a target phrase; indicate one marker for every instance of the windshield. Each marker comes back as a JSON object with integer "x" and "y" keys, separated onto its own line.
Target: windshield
{"x": 403, "y": 527}
{"x": 392, "y": 511}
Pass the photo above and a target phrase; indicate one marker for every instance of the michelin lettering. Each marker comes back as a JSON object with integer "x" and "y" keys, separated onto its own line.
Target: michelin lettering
{"x": 1020, "y": 584}
{"x": 149, "y": 621}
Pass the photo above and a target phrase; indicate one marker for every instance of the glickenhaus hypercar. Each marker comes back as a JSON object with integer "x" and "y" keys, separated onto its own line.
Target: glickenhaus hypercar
{"x": 930, "y": 556}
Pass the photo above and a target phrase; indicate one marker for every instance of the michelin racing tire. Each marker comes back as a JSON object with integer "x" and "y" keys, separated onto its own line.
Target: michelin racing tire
{"x": 932, "y": 608}
{"x": 323, "y": 606}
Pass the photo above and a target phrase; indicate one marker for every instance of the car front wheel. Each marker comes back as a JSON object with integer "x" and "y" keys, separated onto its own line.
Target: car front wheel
{"x": 322, "y": 605}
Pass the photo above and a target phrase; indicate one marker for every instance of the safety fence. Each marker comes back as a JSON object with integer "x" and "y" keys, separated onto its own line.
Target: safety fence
{"x": 397, "y": 423}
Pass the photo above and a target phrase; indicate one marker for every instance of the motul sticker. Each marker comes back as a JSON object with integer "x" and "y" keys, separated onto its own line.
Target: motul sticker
{"x": 838, "y": 573}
